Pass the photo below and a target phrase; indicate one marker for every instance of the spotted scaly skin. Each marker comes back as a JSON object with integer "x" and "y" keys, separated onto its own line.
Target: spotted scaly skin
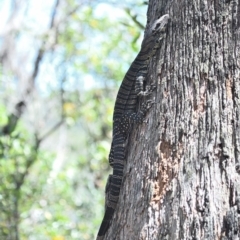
{"x": 125, "y": 114}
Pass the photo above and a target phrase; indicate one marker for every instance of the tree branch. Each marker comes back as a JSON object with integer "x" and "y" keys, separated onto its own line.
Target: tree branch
{"x": 51, "y": 131}
{"x": 134, "y": 18}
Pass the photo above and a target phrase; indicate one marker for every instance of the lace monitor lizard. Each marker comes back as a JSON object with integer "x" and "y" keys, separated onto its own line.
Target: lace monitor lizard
{"x": 125, "y": 114}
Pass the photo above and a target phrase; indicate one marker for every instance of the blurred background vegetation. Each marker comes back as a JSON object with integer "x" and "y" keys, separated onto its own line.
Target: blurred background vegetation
{"x": 61, "y": 63}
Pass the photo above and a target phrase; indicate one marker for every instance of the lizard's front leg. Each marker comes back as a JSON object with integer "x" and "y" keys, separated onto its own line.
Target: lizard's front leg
{"x": 139, "y": 87}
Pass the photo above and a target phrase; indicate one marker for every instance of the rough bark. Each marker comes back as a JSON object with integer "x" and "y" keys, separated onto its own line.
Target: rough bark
{"x": 182, "y": 173}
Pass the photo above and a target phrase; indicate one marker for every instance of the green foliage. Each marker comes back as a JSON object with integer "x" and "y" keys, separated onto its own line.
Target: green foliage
{"x": 17, "y": 154}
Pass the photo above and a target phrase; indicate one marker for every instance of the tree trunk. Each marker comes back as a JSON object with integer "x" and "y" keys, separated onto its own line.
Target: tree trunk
{"x": 182, "y": 177}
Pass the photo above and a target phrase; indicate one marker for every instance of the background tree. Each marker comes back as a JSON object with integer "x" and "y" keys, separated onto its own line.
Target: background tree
{"x": 61, "y": 63}
{"x": 182, "y": 172}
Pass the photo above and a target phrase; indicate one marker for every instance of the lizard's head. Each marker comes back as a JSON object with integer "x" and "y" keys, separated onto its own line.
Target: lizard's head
{"x": 153, "y": 34}
{"x": 159, "y": 25}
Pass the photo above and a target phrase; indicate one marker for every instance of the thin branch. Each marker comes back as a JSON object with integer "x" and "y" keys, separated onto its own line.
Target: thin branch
{"x": 38, "y": 140}
{"x": 53, "y": 25}
{"x": 51, "y": 131}
{"x": 134, "y": 18}
{"x": 54, "y": 12}
{"x": 42, "y": 49}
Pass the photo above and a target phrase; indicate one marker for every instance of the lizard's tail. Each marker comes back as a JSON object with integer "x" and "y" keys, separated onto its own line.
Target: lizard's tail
{"x": 105, "y": 223}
